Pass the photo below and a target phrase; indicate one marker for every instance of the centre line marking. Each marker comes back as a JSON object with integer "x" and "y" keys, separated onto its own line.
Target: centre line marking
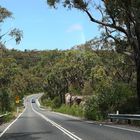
{"x": 68, "y": 133}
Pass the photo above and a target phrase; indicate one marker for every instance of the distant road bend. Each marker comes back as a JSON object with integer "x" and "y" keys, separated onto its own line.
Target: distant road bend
{"x": 38, "y": 124}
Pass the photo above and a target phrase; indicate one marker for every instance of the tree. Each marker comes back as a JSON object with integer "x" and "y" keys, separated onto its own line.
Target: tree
{"x": 4, "y": 13}
{"x": 13, "y": 33}
{"x": 87, "y": 90}
{"x": 120, "y": 21}
{"x": 8, "y": 65}
{"x": 5, "y": 102}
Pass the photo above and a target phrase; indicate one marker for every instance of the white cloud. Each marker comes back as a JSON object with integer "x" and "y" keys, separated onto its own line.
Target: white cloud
{"x": 75, "y": 27}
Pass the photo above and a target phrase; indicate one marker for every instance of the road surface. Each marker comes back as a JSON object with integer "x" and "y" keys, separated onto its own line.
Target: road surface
{"x": 38, "y": 124}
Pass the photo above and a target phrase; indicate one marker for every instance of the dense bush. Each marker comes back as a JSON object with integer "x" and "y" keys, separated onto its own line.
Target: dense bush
{"x": 119, "y": 97}
{"x": 56, "y": 102}
{"x": 5, "y": 101}
{"x": 8, "y": 117}
{"x": 106, "y": 76}
{"x": 91, "y": 109}
{"x": 45, "y": 101}
{"x": 114, "y": 98}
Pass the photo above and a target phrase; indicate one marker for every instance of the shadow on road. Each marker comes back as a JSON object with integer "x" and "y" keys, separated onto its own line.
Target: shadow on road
{"x": 25, "y": 135}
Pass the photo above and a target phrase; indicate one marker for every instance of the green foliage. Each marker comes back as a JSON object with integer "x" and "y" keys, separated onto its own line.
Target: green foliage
{"x": 16, "y": 34}
{"x": 91, "y": 109}
{"x": 108, "y": 76}
{"x": 83, "y": 70}
{"x": 4, "y": 13}
{"x": 74, "y": 90}
{"x": 5, "y": 102}
{"x": 56, "y": 103}
{"x": 114, "y": 98}
{"x": 74, "y": 110}
{"x": 46, "y": 101}
{"x": 8, "y": 117}
{"x": 120, "y": 22}
{"x": 100, "y": 78}
{"x": 125, "y": 98}
{"x": 118, "y": 97}
{"x": 87, "y": 90}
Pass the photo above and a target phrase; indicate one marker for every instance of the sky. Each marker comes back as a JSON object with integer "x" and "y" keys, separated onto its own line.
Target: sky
{"x": 45, "y": 28}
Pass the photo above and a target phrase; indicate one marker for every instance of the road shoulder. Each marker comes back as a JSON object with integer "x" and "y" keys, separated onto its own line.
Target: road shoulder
{"x": 101, "y": 123}
{"x": 5, "y": 126}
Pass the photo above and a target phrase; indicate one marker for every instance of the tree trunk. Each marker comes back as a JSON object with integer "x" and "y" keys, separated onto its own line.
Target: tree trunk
{"x": 138, "y": 84}
{"x": 138, "y": 81}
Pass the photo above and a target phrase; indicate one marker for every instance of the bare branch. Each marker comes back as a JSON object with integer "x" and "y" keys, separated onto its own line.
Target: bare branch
{"x": 105, "y": 24}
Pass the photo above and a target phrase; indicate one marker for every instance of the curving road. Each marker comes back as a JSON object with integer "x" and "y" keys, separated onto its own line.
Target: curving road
{"x": 38, "y": 124}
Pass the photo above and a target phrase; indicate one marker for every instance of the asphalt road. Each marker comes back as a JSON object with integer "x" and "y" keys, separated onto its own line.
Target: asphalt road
{"x": 37, "y": 124}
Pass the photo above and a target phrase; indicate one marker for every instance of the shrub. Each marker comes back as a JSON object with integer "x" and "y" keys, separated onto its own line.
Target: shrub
{"x": 91, "y": 109}
{"x": 119, "y": 97}
{"x": 46, "y": 101}
{"x": 56, "y": 103}
{"x": 5, "y": 100}
{"x": 87, "y": 90}
{"x": 8, "y": 117}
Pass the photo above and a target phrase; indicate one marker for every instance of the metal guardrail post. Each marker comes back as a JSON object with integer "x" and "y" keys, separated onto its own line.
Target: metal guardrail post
{"x": 128, "y": 117}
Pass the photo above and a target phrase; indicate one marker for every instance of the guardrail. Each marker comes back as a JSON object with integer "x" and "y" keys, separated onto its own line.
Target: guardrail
{"x": 128, "y": 117}
{"x": 2, "y": 117}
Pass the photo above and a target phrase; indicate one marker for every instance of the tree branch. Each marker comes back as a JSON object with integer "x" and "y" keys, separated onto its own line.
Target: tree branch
{"x": 105, "y": 24}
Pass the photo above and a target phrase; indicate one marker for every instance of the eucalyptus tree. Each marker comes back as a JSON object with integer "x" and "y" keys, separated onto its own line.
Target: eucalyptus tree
{"x": 13, "y": 33}
{"x": 120, "y": 20}
{"x": 8, "y": 66}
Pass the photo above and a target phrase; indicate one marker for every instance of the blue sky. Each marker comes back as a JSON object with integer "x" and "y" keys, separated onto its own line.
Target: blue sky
{"x": 45, "y": 28}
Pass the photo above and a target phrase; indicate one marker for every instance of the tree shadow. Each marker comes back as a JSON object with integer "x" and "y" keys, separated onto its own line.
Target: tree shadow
{"x": 25, "y": 135}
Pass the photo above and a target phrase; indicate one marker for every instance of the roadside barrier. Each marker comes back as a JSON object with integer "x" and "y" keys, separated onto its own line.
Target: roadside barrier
{"x": 128, "y": 117}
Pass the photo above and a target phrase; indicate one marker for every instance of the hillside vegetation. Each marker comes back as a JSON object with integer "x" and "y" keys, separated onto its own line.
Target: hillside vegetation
{"x": 107, "y": 78}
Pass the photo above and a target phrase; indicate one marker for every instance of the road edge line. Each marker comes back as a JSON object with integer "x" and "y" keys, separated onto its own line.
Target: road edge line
{"x": 4, "y": 131}
{"x": 78, "y": 118}
{"x": 121, "y": 128}
{"x": 38, "y": 104}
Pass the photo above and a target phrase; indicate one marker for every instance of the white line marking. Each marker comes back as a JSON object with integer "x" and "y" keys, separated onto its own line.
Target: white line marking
{"x": 116, "y": 127}
{"x": 42, "y": 109}
{"x": 38, "y": 104}
{"x": 127, "y": 129}
{"x": 66, "y": 115}
{"x": 71, "y": 135}
{"x": 11, "y": 124}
